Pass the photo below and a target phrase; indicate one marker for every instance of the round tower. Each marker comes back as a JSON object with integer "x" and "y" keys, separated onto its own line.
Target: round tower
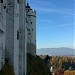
{"x": 31, "y": 30}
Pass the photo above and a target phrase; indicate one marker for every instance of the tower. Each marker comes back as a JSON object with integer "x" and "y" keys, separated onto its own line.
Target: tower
{"x": 15, "y": 35}
{"x": 31, "y": 29}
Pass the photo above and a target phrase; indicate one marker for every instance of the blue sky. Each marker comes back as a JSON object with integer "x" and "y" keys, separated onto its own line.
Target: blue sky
{"x": 54, "y": 23}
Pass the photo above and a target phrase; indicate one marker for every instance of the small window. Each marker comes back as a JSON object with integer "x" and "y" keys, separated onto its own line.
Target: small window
{"x": 1, "y": 1}
{"x": 31, "y": 22}
{"x": 18, "y": 35}
{"x": 28, "y": 10}
{"x": 35, "y": 40}
{"x": 29, "y": 33}
{"x": 4, "y": 7}
{"x": 1, "y": 32}
{"x": 18, "y": 1}
{"x": 32, "y": 29}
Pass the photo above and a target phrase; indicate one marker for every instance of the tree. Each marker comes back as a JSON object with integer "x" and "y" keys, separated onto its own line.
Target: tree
{"x": 7, "y": 69}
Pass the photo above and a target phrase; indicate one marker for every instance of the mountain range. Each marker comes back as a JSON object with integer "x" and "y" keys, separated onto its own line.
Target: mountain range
{"x": 62, "y": 51}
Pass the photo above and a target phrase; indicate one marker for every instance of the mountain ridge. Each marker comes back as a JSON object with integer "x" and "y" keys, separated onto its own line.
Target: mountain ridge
{"x": 56, "y": 51}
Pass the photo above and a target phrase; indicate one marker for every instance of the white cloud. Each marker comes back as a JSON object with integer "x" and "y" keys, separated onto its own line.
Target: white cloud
{"x": 59, "y": 26}
{"x": 50, "y": 7}
{"x": 56, "y": 11}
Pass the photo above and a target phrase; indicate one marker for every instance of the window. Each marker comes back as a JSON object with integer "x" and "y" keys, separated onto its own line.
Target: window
{"x": 18, "y": 34}
{"x": 32, "y": 29}
{"x": 29, "y": 33}
{"x": 28, "y": 10}
{"x": 1, "y": 32}
{"x": 31, "y": 22}
{"x": 1, "y": 1}
{"x": 35, "y": 40}
{"x": 18, "y": 1}
{"x": 4, "y": 7}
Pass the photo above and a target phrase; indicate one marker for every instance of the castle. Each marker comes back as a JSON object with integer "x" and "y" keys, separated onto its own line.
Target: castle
{"x": 17, "y": 34}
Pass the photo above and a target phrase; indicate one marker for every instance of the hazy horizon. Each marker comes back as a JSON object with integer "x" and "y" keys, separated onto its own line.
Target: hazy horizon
{"x": 55, "y": 47}
{"x": 62, "y": 51}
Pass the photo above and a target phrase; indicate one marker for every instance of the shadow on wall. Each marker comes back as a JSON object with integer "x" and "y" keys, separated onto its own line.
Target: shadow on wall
{"x": 36, "y": 66}
{"x": 7, "y": 69}
{"x": 31, "y": 48}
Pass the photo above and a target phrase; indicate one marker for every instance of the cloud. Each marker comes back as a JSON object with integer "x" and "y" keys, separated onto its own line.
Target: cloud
{"x": 56, "y": 11}
{"x": 46, "y": 10}
{"x": 46, "y": 20}
{"x": 50, "y": 7}
{"x": 59, "y": 26}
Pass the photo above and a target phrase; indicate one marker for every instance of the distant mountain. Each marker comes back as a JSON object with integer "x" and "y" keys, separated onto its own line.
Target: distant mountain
{"x": 56, "y": 51}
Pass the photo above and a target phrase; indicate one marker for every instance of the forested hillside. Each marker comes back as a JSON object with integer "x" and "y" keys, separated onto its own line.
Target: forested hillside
{"x": 35, "y": 66}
